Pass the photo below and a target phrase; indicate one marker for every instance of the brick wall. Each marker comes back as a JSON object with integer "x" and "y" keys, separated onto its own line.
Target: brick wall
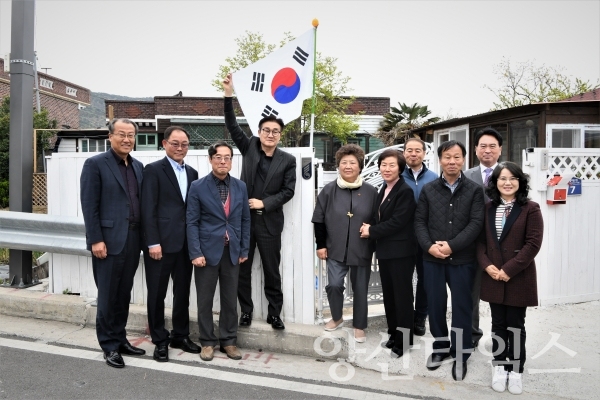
{"x": 131, "y": 109}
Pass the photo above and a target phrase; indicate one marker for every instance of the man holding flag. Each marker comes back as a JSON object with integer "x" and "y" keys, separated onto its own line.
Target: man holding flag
{"x": 270, "y": 177}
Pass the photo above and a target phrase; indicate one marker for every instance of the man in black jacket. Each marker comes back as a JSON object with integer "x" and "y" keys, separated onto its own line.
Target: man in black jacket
{"x": 270, "y": 177}
{"x": 164, "y": 197}
{"x": 448, "y": 220}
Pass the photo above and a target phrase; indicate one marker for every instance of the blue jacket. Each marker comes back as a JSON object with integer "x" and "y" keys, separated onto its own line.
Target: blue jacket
{"x": 206, "y": 221}
{"x": 425, "y": 176}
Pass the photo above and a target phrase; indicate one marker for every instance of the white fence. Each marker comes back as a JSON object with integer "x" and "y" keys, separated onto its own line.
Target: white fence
{"x": 74, "y": 273}
{"x": 568, "y": 264}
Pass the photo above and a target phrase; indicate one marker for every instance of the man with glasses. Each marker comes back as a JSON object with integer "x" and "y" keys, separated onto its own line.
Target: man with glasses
{"x": 218, "y": 233}
{"x": 111, "y": 184}
{"x": 164, "y": 196}
{"x": 488, "y": 149}
{"x": 270, "y": 177}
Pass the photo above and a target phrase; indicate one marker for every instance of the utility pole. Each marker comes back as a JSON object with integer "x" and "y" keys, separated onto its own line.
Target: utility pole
{"x": 21, "y": 128}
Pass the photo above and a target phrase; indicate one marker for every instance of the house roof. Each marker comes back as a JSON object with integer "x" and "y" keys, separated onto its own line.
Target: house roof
{"x": 592, "y": 95}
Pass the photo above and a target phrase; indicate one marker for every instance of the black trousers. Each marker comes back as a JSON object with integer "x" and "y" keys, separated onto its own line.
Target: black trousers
{"x": 396, "y": 284}
{"x": 114, "y": 280}
{"x": 178, "y": 267}
{"x": 269, "y": 248}
{"x": 226, "y": 273}
{"x": 475, "y": 296}
{"x": 460, "y": 280}
{"x": 421, "y": 296}
{"x": 508, "y": 336}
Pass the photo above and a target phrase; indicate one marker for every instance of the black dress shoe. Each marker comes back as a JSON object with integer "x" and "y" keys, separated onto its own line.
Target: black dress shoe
{"x": 275, "y": 322}
{"x": 462, "y": 370}
{"x": 475, "y": 343}
{"x": 396, "y": 352}
{"x": 186, "y": 345}
{"x": 114, "y": 359}
{"x": 435, "y": 360}
{"x": 161, "y": 353}
{"x": 128, "y": 349}
{"x": 419, "y": 326}
{"x": 389, "y": 344}
{"x": 246, "y": 319}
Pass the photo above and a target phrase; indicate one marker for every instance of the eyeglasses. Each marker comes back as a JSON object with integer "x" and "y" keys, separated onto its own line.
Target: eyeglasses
{"x": 178, "y": 145}
{"x": 222, "y": 158}
{"x": 122, "y": 136}
{"x": 512, "y": 179}
{"x": 274, "y": 132}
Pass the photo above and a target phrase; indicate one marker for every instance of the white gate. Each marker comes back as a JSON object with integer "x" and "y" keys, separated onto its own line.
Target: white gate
{"x": 568, "y": 264}
{"x": 297, "y": 254}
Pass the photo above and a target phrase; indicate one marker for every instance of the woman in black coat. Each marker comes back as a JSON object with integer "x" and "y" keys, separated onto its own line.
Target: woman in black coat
{"x": 393, "y": 231}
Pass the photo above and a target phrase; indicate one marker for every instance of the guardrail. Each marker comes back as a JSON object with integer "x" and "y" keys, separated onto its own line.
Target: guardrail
{"x": 42, "y": 232}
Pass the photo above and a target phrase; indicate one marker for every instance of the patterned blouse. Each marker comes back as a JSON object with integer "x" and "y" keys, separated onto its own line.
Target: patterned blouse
{"x": 502, "y": 213}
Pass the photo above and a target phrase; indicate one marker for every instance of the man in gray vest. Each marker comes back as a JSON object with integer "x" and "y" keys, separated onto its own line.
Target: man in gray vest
{"x": 488, "y": 149}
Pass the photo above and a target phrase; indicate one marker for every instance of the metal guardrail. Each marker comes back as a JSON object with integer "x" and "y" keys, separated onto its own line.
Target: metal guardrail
{"x": 42, "y": 232}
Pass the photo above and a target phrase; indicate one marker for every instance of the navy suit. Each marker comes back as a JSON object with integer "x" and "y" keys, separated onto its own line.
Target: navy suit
{"x": 105, "y": 204}
{"x": 163, "y": 222}
{"x": 206, "y": 227}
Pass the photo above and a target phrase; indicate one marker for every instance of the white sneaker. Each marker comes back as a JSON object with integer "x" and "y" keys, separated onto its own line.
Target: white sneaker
{"x": 499, "y": 379}
{"x": 515, "y": 383}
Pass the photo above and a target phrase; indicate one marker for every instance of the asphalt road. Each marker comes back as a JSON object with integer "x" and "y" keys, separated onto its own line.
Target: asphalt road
{"x": 26, "y": 374}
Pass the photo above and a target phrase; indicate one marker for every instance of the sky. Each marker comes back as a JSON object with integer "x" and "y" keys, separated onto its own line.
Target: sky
{"x": 436, "y": 53}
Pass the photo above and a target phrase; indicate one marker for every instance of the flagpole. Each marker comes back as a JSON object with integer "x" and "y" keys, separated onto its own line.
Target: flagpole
{"x": 315, "y": 23}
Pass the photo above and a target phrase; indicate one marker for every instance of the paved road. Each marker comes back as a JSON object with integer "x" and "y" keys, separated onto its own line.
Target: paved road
{"x": 36, "y": 370}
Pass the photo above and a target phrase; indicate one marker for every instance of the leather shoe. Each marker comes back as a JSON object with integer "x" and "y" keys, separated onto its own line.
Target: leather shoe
{"x": 207, "y": 353}
{"x": 128, "y": 349}
{"x": 475, "y": 343}
{"x": 462, "y": 370}
{"x": 396, "y": 352}
{"x": 275, "y": 322}
{"x": 161, "y": 353}
{"x": 246, "y": 319}
{"x": 389, "y": 344}
{"x": 435, "y": 360}
{"x": 419, "y": 326}
{"x": 186, "y": 345}
{"x": 114, "y": 359}
{"x": 231, "y": 351}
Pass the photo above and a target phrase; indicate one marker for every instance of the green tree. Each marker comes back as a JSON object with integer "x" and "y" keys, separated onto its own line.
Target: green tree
{"x": 330, "y": 86}
{"x": 526, "y": 83}
{"x": 398, "y": 123}
{"x": 41, "y": 120}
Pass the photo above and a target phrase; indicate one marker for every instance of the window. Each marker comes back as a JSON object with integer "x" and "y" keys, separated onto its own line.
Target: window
{"x": 573, "y": 136}
{"x": 522, "y": 134}
{"x": 94, "y": 145}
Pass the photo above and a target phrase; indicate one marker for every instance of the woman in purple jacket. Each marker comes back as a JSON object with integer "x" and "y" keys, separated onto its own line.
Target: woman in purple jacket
{"x": 511, "y": 239}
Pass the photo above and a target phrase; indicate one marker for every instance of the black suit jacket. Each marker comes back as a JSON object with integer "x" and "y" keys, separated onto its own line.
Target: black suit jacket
{"x": 104, "y": 201}
{"x": 281, "y": 180}
{"x": 163, "y": 207}
{"x": 393, "y": 222}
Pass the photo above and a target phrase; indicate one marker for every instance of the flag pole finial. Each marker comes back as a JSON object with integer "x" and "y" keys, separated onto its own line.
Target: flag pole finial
{"x": 315, "y": 23}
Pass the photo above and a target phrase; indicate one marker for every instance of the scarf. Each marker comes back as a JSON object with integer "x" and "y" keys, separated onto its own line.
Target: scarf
{"x": 342, "y": 184}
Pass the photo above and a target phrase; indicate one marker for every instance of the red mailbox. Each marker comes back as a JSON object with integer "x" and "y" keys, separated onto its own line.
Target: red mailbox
{"x": 557, "y": 189}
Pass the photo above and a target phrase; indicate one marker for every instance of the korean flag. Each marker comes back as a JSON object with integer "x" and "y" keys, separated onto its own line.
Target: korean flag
{"x": 277, "y": 84}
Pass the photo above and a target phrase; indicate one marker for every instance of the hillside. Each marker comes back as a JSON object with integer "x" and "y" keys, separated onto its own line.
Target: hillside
{"x": 94, "y": 116}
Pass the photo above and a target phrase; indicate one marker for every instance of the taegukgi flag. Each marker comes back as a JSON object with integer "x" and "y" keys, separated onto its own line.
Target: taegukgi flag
{"x": 277, "y": 84}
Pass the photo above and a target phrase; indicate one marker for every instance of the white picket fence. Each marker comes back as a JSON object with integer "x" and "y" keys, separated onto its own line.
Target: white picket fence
{"x": 568, "y": 264}
{"x": 74, "y": 273}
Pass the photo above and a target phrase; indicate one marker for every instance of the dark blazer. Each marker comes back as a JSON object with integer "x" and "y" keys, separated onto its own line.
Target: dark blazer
{"x": 393, "y": 222}
{"x": 162, "y": 207}
{"x": 104, "y": 201}
{"x": 281, "y": 180}
{"x": 514, "y": 253}
{"x": 206, "y": 221}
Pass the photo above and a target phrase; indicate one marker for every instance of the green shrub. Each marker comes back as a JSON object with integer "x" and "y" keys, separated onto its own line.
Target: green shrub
{"x": 3, "y": 194}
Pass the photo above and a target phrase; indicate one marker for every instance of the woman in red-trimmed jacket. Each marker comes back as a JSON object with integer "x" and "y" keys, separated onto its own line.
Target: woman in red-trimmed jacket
{"x": 511, "y": 239}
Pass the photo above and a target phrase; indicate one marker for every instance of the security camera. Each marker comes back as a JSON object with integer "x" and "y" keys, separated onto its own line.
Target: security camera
{"x": 80, "y": 106}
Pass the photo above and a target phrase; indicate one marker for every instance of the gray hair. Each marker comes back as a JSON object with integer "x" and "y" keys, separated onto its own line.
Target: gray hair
{"x": 111, "y": 124}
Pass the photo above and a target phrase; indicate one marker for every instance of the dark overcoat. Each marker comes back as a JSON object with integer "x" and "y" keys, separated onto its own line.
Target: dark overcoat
{"x": 514, "y": 253}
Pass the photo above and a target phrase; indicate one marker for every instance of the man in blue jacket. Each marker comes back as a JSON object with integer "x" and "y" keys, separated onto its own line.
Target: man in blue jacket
{"x": 218, "y": 234}
{"x": 417, "y": 176}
